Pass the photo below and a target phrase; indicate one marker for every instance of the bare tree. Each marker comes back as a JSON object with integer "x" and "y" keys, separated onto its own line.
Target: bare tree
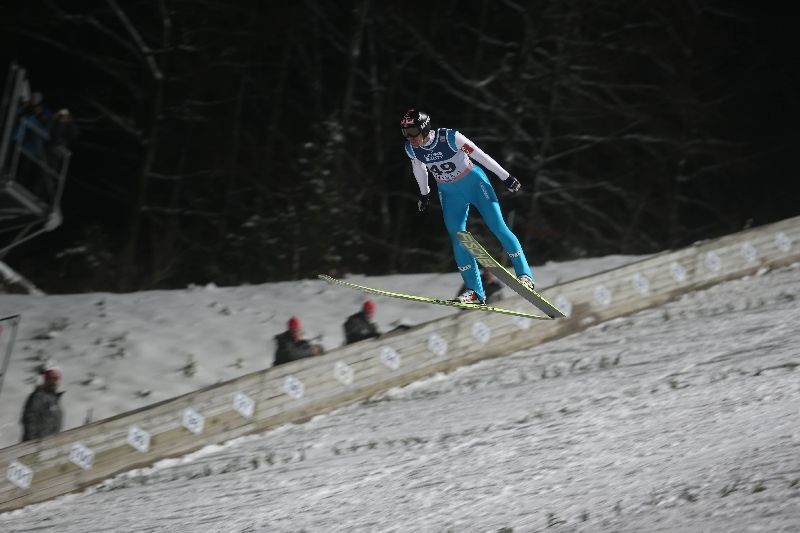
{"x": 248, "y": 144}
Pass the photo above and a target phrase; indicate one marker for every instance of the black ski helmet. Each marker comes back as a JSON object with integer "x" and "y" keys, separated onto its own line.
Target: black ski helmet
{"x": 415, "y": 123}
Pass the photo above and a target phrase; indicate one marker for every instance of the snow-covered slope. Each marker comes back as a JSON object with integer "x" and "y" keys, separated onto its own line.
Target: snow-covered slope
{"x": 679, "y": 418}
{"x": 119, "y": 352}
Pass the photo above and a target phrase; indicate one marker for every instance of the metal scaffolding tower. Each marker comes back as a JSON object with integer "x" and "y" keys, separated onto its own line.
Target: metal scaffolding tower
{"x": 32, "y": 172}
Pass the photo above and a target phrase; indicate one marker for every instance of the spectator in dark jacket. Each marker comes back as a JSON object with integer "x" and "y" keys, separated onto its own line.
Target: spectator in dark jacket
{"x": 42, "y": 415}
{"x": 62, "y": 132}
{"x": 359, "y": 326}
{"x": 62, "y": 129}
{"x": 291, "y": 346}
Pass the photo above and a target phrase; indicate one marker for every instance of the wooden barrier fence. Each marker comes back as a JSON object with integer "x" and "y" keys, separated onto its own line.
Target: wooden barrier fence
{"x": 74, "y": 459}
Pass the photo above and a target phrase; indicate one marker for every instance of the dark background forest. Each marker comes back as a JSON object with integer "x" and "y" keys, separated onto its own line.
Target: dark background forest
{"x": 249, "y": 141}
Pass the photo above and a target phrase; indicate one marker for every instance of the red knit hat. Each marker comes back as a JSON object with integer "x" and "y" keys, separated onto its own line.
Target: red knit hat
{"x": 51, "y": 373}
{"x": 294, "y": 324}
{"x": 369, "y": 306}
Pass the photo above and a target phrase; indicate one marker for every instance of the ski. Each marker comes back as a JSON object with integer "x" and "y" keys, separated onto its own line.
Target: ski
{"x": 437, "y": 301}
{"x": 485, "y": 260}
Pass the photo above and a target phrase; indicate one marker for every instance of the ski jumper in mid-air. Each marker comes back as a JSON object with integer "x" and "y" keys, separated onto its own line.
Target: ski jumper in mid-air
{"x": 447, "y": 155}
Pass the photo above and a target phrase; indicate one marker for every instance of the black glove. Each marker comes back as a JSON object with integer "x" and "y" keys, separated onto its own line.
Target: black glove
{"x": 423, "y": 201}
{"x": 512, "y": 183}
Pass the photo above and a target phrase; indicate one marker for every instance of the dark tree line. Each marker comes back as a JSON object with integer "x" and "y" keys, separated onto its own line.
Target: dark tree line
{"x": 241, "y": 142}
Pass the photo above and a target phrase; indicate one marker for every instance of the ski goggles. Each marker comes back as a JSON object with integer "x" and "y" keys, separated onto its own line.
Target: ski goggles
{"x": 411, "y": 132}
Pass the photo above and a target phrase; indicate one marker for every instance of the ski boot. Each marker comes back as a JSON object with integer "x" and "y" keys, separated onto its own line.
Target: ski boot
{"x": 526, "y": 280}
{"x": 469, "y": 297}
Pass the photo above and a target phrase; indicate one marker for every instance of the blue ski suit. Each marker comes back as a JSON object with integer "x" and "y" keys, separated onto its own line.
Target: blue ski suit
{"x": 448, "y": 157}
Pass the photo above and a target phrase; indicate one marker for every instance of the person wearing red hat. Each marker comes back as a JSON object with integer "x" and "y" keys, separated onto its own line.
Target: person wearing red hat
{"x": 42, "y": 414}
{"x": 360, "y": 325}
{"x": 291, "y": 346}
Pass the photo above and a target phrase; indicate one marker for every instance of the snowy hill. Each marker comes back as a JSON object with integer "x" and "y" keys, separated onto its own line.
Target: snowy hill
{"x": 119, "y": 352}
{"x": 679, "y": 418}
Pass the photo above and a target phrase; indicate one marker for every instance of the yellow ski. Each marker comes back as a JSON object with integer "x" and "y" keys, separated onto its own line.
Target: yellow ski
{"x": 485, "y": 260}
{"x": 437, "y": 301}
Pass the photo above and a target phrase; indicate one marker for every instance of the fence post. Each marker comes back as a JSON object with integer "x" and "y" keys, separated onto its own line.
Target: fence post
{"x": 14, "y": 321}
{"x": 8, "y": 112}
